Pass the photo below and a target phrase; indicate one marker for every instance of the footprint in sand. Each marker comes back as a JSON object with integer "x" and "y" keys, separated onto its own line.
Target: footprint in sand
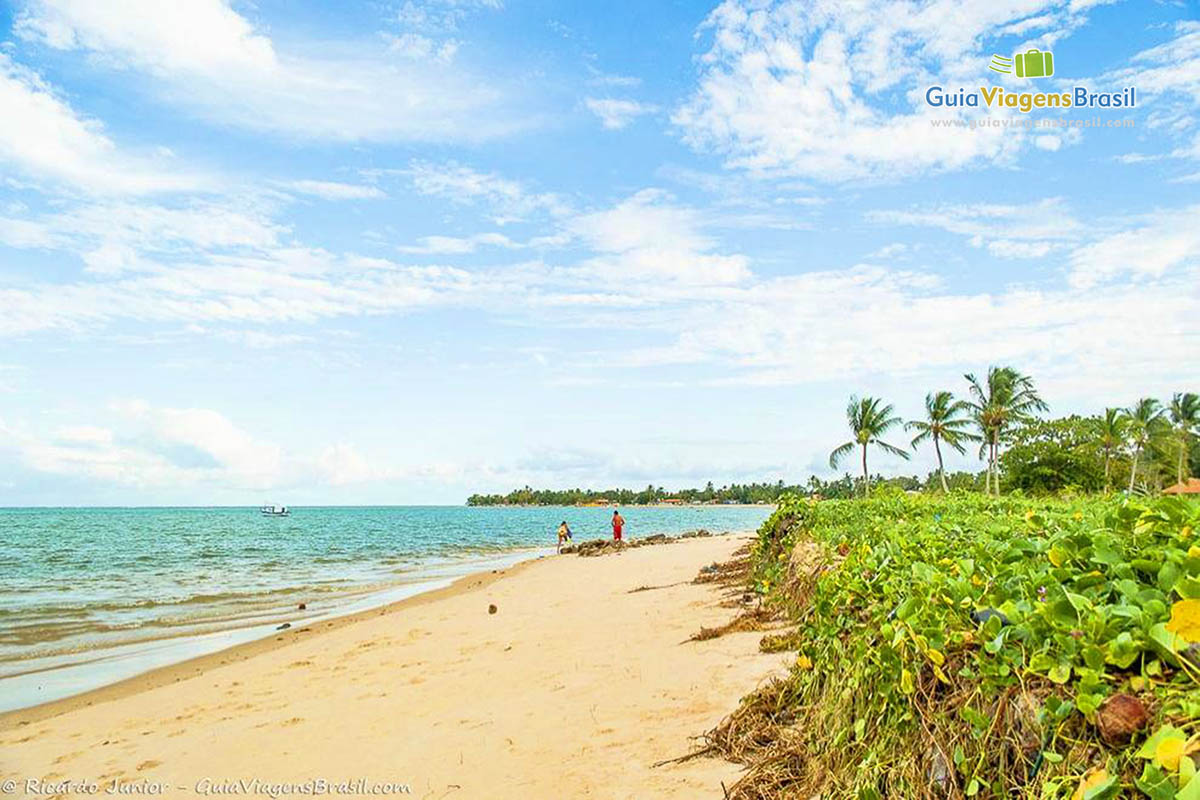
{"x": 293, "y": 721}
{"x": 145, "y": 765}
{"x": 295, "y": 664}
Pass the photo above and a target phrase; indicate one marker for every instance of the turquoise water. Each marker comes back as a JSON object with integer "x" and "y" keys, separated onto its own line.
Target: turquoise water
{"x": 80, "y": 585}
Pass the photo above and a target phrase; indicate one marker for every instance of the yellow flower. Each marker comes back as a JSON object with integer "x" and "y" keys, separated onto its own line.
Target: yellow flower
{"x": 804, "y": 662}
{"x": 1185, "y": 620}
{"x": 1168, "y": 753}
{"x": 1091, "y": 779}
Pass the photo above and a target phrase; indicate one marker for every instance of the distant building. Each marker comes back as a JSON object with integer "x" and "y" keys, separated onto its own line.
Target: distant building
{"x": 1190, "y": 486}
{"x": 672, "y": 501}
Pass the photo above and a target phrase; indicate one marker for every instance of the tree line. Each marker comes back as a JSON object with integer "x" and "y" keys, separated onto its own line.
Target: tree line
{"x": 1144, "y": 443}
{"x": 732, "y": 493}
{"x": 1142, "y": 447}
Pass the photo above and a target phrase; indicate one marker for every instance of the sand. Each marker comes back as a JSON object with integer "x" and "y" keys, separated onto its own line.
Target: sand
{"x": 575, "y": 687}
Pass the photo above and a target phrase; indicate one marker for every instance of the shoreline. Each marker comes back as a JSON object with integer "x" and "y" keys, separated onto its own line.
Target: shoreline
{"x": 140, "y": 663}
{"x": 242, "y": 651}
{"x": 584, "y": 677}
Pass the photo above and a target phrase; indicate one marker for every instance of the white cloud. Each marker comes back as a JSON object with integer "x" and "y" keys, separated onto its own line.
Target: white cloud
{"x": 457, "y": 245}
{"x": 119, "y": 236}
{"x": 617, "y": 113}
{"x": 154, "y": 447}
{"x": 151, "y": 447}
{"x": 1147, "y": 249}
{"x": 835, "y": 91}
{"x": 870, "y": 322}
{"x": 1167, "y": 78}
{"x": 509, "y": 200}
{"x": 648, "y": 237}
{"x": 624, "y": 81}
{"x": 1170, "y": 68}
{"x": 1008, "y": 231}
{"x": 42, "y": 137}
{"x": 441, "y": 15}
{"x": 333, "y": 190}
{"x": 888, "y": 251}
{"x": 218, "y": 64}
{"x": 422, "y": 48}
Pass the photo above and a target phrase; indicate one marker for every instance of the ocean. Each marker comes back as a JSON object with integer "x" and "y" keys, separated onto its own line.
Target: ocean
{"x": 90, "y": 596}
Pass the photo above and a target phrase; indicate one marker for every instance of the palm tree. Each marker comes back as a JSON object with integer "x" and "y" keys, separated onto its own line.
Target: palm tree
{"x": 869, "y": 418}
{"x": 1112, "y": 436}
{"x": 1185, "y": 421}
{"x": 944, "y": 422}
{"x": 1005, "y": 398}
{"x": 1144, "y": 422}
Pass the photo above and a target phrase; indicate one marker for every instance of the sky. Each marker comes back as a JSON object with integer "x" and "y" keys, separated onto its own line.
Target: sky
{"x": 314, "y": 253}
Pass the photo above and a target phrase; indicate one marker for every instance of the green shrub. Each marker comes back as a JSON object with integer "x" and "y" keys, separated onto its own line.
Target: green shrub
{"x": 967, "y": 644}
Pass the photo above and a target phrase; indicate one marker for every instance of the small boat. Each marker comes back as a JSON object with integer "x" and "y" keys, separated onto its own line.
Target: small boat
{"x": 275, "y": 511}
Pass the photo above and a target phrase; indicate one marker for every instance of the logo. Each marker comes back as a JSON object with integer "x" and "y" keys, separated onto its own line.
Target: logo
{"x": 1033, "y": 63}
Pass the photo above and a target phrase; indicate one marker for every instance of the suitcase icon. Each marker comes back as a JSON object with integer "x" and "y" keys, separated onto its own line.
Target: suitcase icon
{"x": 1033, "y": 63}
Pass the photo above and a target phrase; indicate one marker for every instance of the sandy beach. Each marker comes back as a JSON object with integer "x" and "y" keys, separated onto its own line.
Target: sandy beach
{"x": 575, "y": 687}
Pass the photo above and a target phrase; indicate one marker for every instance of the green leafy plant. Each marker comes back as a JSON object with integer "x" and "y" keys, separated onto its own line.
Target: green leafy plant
{"x": 987, "y": 647}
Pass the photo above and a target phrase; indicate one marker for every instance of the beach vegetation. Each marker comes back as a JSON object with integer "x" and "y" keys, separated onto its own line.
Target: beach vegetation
{"x": 964, "y": 645}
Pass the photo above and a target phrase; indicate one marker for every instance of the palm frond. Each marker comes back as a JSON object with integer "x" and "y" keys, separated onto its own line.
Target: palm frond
{"x": 839, "y": 453}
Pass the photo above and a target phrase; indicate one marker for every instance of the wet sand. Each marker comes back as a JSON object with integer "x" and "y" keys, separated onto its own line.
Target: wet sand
{"x": 575, "y": 687}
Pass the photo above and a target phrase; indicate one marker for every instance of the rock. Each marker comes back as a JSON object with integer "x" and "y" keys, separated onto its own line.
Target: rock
{"x": 658, "y": 537}
{"x": 284, "y": 626}
{"x": 1120, "y": 717}
{"x": 492, "y": 608}
{"x": 984, "y": 614}
{"x": 303, "y": 606}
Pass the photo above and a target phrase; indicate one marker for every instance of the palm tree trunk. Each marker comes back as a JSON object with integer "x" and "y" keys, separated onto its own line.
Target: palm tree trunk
{"x": 1133, "y": 470}
{"x": 996, "y": 459}
{"x": 1107, "y": 465}
{"x": 941, "y": 469}
{"x": 991, "y": 466}
{"x": 866, "y": 475}
{"x": 1182, "y": 449}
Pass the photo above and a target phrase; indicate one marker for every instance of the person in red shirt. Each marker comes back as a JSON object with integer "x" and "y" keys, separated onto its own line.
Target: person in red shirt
{"x": 618, "y": 523}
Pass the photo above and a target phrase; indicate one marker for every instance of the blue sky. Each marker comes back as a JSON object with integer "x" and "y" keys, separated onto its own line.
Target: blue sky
{"x": 400, "y": 252}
